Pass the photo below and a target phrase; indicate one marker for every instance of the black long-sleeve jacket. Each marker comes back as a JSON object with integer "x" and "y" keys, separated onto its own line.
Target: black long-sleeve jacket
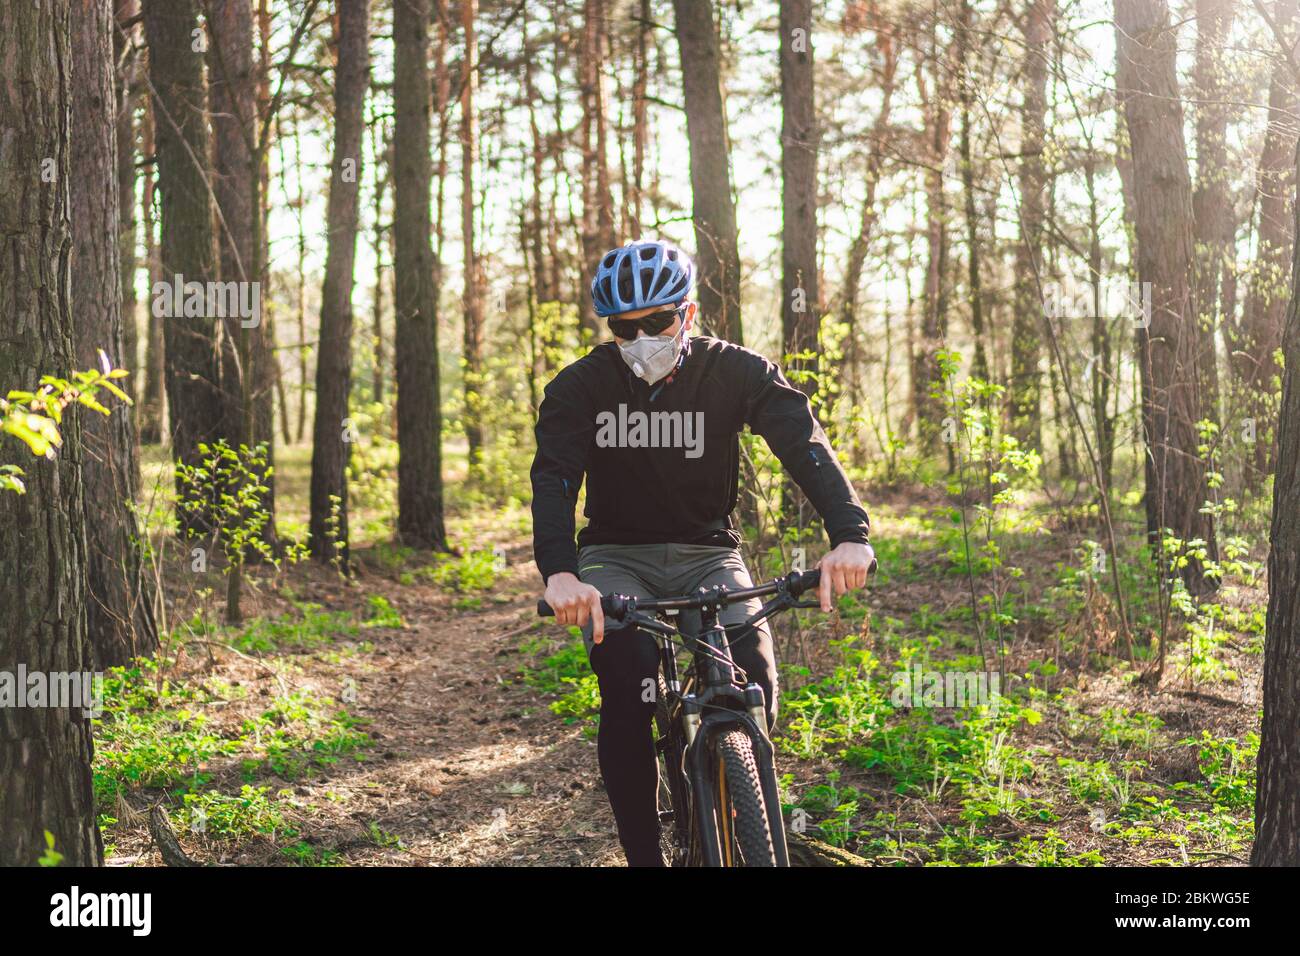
{"x": 684, "y": 490}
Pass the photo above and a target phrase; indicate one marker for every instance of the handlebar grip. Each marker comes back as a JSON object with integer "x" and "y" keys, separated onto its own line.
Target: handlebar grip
{"x": 611, "y": 605}
{"x": 805, "y": 581}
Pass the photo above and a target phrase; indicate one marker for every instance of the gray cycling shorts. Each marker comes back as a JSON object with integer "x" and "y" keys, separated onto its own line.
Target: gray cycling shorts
{"x": 668, "y": 570}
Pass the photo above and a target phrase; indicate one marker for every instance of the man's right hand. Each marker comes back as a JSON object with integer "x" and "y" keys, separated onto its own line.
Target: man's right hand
{"x": 575, "y": 602}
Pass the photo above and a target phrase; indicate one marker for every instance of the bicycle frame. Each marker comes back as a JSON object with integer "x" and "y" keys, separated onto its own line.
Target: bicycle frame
{"x": 718, "y": 703}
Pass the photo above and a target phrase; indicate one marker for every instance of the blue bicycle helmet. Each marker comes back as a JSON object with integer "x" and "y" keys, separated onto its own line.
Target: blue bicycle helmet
{"x": 640, "y": 274}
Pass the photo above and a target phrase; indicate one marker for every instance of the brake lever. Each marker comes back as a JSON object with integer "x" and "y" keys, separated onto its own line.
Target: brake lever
{"x": 646, "y": 622}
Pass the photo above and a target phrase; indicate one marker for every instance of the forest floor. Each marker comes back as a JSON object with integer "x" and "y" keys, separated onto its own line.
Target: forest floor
{"x": 420, "y": 713}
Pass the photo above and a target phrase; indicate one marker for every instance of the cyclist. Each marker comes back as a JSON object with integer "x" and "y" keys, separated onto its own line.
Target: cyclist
{"x": 651, "y": 420}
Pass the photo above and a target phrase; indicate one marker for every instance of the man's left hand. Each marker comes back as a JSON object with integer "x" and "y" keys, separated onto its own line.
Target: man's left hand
{"x": 844, "y": 569}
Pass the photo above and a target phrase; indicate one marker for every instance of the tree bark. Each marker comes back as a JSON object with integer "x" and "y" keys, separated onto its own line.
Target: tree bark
{"x": 1147, "y": 84}
{"x": 232, "y": 100}
{"x": 473, "y": 275}
{"x": 1214, "y": 220}
{"x": 381, "y": 149}
{"x": 800, "y": 320}
{"x": 867, "y": 219}
{"x": 419, "y": 411}
{"x": 187, "y": 242}
{"x": 1027, "y": 331}
{"x": 153, "y": 406}
{"x": 717, "y": 249}
{"x": 1277, "y": 791}
{"x": 534, "y": 228}
{"x": 120, "y": 597}
{"x": 640, "y": 115}
{"x": 124, "y": 31}
{"x": 45, "y": 751}
{"x": 1256, "y": 340}
{"x": 247, "y": 376}
{"x": 329, "y": 456}
{"x": 974, "y": 267}
{"x": 597, "y": 202}
{"x": 927, "y": 377}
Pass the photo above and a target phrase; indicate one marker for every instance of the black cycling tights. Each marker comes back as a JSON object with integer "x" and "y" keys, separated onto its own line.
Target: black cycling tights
{"x": 626, "y": 663}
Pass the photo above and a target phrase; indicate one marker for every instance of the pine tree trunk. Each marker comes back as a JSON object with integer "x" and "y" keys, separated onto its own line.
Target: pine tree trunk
{"x": 329, "y": 457}
{"x": 533, "y": 236}
{"x": 120, "y": 598}
{"x": 473, "y": 278}
{"x": 419, "y": 411}
{"x": 596, "y": 201}
{"x": 1026, "y": 337}
{"x": 232, "y": 99}
{"x": 126, "y": 11}
{"x": 640, "y": 116}
{"x": 1256, "y": 340}
{"x": 1277, "y": 792}
{"x": 152, "y": 407}
{"x": 1168, "y": 342}
{"x": 380, "y": 145}
{"x": 1212, "y": 212}
{"x": 927, "y": 378}
{"x": 974, "y": 270}
{"x": 717, "y": 250}
{"x": 45, "y": 751}
{"x": 247, "y": 376}
{"x": 800, "y": 320}
{"x": 187, "y": 241}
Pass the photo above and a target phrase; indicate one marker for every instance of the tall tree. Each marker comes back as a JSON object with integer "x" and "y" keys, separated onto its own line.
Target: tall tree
{"x": 232, "y": 101}
{"x": 927, "y": 378}
{"x": 120, "y": 598}
{"x": 717, "y": 249}
{"x": 974, "y": 266}
{"x": 153, "y": 401}
{"x": 1257, "y": 337}
{"x": 473, "y": 269}
{"x": 869, "y": 214}
{"x": 597, "y": 232}
{"x": 1277, "y": 791}
{"x": 125, "y": 28}
{"x": 381, "y": 150}
{"x": 537, "y": 151}
{"x": 800, "y": 320}
{"x": 45, "y": 752}
{"x": 187, "y": 243}
{"x": 419, "y": 410}
{"x": 247, "y": 375}
{"x": 640, "y": 114}
{"x": 1212, "y": 203}
{"x": 1026, "y": 336}
{"x": 329, "y": 454}
{"x": 1168, "y": 343}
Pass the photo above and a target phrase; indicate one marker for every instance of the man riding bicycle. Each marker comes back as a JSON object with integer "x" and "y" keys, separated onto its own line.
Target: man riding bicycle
{"x": 651, "y": 420}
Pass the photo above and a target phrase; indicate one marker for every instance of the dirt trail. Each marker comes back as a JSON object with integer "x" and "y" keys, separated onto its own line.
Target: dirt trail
{"x": 468, "y": 765}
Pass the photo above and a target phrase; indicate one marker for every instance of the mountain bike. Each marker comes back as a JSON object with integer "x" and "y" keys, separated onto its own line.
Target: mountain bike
{"x": 718, "y": 777}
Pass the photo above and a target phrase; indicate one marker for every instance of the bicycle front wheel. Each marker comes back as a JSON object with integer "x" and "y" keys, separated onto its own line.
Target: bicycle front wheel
{"x": 748, "y": 810}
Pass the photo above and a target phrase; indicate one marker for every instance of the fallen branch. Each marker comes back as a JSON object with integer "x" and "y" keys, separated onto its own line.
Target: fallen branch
{"x": 807, "y": 851}
{"x": 164, "y": 837}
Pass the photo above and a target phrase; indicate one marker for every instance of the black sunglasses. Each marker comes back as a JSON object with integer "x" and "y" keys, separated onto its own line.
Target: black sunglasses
{"x": 653, "y": 324}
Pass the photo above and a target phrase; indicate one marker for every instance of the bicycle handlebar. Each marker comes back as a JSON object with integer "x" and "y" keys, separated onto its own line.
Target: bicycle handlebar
{"x": 616, "y": 605}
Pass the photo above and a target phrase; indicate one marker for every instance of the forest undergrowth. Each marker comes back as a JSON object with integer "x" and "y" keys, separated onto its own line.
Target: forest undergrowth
{"x": 976, "y": 705}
